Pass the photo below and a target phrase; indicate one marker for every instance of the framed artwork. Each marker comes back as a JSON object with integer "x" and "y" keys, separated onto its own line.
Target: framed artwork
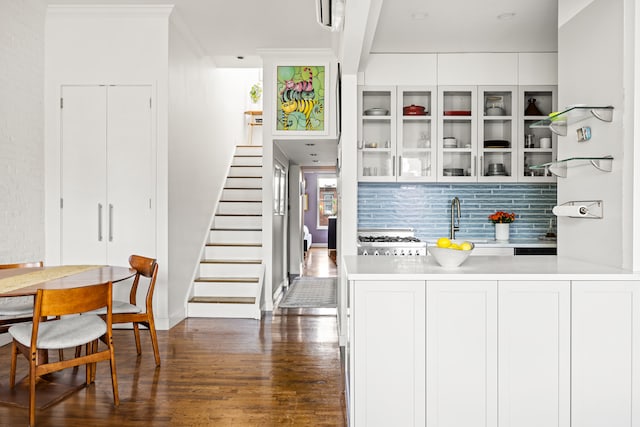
{"x": 301, "y": 99}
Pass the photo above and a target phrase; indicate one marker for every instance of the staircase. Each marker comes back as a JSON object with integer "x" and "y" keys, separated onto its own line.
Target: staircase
{"x": 231, "y": 272}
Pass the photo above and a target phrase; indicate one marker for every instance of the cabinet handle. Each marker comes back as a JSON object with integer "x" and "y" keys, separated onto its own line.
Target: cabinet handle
{"x": 482, "y": 165}
{"x": 99, "y": 222}
{"x": 393, "y": 165}
{"x": 110, "y": 222}
{"x": 473, "y": 165}
{"x": 399, "y": 165}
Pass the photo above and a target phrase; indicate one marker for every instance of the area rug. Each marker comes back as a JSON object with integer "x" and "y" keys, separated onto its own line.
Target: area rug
{"x": 311, "y": 292}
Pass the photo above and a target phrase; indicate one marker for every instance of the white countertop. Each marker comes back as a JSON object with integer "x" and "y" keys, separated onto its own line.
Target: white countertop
{"x": 534, "y": 267}
{"x": 513, "y": 243}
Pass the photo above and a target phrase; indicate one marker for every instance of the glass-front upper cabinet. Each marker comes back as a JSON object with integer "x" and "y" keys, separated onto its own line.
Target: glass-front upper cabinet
{"x": 416, "y": 158}
{"x": 497, "y": 134}
{"x": 537, "y": 145}
{"x": 377, "y": 133}
{"x": 457, "y": 134}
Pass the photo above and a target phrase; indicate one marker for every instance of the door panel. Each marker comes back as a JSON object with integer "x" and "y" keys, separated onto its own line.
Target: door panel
{"x": 83, "y": 175}
{"x": 131, "y": 226}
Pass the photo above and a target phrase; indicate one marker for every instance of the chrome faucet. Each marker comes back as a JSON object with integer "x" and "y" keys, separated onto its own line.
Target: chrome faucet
{"x": 455, "y": 203}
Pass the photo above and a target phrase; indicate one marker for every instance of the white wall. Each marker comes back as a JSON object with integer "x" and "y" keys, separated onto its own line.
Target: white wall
{"x": 279, "y": 260}
{"x": 21, "y": 130}
{"x": 597, "y": 32}
{"x": 296, "y": 245}
{"x": 199, "y": 157}
{"x": 108, "y": 45}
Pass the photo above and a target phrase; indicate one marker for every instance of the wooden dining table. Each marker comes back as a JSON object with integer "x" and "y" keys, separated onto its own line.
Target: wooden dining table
{"x": 52, "y": 388}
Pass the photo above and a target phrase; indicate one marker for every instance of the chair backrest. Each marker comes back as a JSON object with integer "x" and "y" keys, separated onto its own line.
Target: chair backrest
{"x": 60, "y": 302}
{"x": 22, "y": 265}
{"x": 147, "y": 267}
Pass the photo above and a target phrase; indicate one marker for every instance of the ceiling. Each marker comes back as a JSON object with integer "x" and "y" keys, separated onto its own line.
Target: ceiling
{"x": 226, "y": 30}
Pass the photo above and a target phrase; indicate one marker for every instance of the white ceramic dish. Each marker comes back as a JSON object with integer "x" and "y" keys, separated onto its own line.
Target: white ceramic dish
{"x": 376, "y": 112}
{"x": 449, "y": 258}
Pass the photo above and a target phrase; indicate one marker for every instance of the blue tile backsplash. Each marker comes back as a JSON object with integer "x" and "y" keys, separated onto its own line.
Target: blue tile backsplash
{"x": 427, "y": 208}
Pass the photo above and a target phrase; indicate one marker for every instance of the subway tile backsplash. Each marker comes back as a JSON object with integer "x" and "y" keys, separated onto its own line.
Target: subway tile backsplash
{"x": 427, "y": 208}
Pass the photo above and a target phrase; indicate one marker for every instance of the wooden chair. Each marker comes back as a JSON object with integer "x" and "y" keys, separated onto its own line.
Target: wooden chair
{"x": 16, "y": 309}
{"x": 129, "y": 312}
{"x": 34, "y": 339}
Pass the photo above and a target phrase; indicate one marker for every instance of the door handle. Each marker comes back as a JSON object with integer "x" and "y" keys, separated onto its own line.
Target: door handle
{"x": 99, "y": 222}
{"x": 110, "y": 222}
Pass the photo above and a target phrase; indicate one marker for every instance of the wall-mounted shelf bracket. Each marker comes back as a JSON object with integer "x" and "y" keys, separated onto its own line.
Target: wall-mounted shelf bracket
{"x": 559, "y": 167}
{"x": 557, "y": 122}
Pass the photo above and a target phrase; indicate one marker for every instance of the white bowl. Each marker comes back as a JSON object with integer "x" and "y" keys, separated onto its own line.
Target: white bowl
{"x": 449, "y": 258}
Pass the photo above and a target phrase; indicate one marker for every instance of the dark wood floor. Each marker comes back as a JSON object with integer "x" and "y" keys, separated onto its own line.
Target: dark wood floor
{"x": 281, "y": 371}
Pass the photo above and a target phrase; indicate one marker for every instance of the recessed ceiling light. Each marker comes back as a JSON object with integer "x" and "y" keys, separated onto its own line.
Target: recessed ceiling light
{"x": 313, "y": 155}
{"x": 240, "y": 57}
{"x": 316, "y": 161}
{"x": 309, "y": 144}
{"x": 419, "y": 15}
{"x": 506, "y": 16}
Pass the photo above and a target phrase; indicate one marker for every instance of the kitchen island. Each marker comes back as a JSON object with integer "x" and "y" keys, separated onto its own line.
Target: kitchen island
{"x": 498, "y": 341}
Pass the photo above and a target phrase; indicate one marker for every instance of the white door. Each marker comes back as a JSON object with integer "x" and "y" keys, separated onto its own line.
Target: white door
{"x": 534, "y": 327}
{"x": 108, "y": 173}
{"x": 462, "y": 353}
{"x": 83, "y": 174}
{"x": 605, "y": 366}
{"x": 130, "y": 160}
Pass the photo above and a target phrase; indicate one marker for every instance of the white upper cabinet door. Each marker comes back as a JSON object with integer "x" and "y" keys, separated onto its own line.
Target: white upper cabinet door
{"x": 534, "y": 327}
{"x": 605, "y": 362}
{"x": 416, "y": 129}
{"x": 462, "y": 353}
{"x": 131, "y": 174}
{"x": 83, "y": 174}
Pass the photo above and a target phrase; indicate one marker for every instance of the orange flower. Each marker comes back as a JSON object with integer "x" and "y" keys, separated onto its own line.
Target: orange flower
{"x": 502, "y": 217}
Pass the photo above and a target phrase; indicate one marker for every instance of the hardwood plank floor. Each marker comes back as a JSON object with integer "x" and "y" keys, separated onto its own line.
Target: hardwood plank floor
{"x": 281, "y": 371}
{"x": 317, "y": 263}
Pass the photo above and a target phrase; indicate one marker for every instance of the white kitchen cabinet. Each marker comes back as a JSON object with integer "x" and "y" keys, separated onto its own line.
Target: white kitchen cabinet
{"x": 394, "y": 146}
{"x": 416, "y": 134}
{"x": 545, "y": 100}
{"x": 107, "y": 174}
{"x": 605, "y": 367}
{"x": 462, "y": 355}
{"x": 534, "y": 338}
{"x": 388, "y": 353}
{"x": 457, "y": 143}
{"x": 377, "y": 133}
{"x": 497, "y": 134}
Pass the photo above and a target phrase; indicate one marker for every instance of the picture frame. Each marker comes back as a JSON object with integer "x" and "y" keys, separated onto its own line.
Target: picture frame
{"x": 302, "y": 98}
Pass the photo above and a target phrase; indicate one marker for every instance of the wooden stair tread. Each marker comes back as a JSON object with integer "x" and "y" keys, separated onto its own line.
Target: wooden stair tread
{"x": 247, "y": 155}
{"x": 227, "y": 280}
{"x": 223, "y": 300}
{"x": 231, "y": 261}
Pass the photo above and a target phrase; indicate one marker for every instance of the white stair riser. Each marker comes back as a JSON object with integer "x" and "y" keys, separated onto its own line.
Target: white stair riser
{"x": 226, "y": 289}
{"x": 245, "y": 171}
{"x": 244, "y": 183}
{"x": 253, "y": 195}
{"x": 240, "y": 208}
{"x": 233, "y": 252}
{"x": 230, "y": 270}
{"x": 247, "y": 161}
{"x": 233, "y": 311}
{"x": 255, "y": 150}
{"x": 237, "y": 222}
{"x": 235, "y": 236}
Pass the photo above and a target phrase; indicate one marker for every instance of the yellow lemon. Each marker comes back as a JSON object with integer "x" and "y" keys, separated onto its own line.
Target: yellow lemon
{"x": 466, "y": 246}
{"x": 443, "y": 242}
{"x": 454, "y": 246}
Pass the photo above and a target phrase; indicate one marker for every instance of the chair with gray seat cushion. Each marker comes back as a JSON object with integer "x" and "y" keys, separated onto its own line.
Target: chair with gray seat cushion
{"x": 34, "y": 339}
{"x": 16, "y": 309}
{"x": 129, "y": 312}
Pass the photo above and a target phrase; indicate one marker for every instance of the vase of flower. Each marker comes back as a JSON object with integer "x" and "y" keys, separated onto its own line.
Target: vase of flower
{"x": 501, "y": 220}
{"x": 502, "y": 231}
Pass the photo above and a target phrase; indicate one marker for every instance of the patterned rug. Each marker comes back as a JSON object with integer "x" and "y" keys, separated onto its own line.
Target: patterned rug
{"x": 311, "y": 292}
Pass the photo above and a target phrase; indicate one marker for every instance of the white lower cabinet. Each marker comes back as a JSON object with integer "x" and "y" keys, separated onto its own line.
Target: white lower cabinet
{"x": 461, "y": 353}
{"x": 534, "y": 327}
{"x": 388, "y": 352}
{"x": 605, "y": 358}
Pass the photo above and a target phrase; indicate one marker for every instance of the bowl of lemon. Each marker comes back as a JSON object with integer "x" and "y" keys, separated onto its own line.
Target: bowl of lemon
{"x": 451, "y": 253}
